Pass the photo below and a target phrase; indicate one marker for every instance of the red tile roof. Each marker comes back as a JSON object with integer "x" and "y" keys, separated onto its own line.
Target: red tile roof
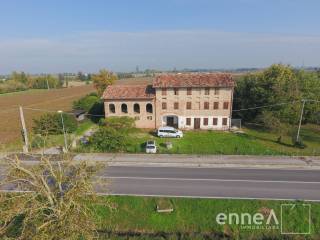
{"x": 114, "y": 92}
{"x": 194, "y": 80}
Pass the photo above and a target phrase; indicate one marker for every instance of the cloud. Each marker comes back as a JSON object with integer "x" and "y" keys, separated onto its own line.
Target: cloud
{"x": 123, "y": 51}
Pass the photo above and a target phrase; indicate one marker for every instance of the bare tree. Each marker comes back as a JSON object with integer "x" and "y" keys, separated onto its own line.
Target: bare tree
{"x": 53, "y": 199}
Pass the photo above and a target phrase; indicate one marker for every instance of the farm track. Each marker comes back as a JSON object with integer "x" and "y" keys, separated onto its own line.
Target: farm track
{"x": 56, "y": 99}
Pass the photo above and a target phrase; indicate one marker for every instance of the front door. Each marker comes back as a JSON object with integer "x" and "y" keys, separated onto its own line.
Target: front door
{"x": 196, "y": 123}
{"x": 170, "y": 121}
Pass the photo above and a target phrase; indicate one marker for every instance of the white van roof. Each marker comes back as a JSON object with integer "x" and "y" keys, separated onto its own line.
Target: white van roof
{"x": 166, "y": 128}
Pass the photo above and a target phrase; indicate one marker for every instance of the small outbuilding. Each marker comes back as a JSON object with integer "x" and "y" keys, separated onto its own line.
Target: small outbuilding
{"x": 79, "y": 114}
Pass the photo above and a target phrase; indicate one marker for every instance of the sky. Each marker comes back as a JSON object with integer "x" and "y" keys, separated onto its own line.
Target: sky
{"x": 86, "y": 35}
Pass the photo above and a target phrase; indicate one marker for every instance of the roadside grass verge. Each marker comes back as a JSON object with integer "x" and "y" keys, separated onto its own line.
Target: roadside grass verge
{"x": 137, "y": 217}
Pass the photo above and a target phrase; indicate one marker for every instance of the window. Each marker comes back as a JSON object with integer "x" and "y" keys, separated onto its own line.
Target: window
{"x": 149, "y": 108}
{"x": 189, "y": 91}
{"x": 136, "y": 108}
{"x": 176, "y": 91}
{"x": 164, "y": 91}
{"x": 224, "y": 121}
{"x": 216, "y": 105}
{"x": 176, "y": 105}
{"x": 205, "y": 121}
{"x": 188, "y": 105}
{"x": 206, "y": 105}
{"x": 124, "y": 108}
{"x": 188, "y": 121}
{"x": 164, "y": 105}
{"x": 216, "y": 91}
{"x": 149, "y": 117}
{"x": 112, "y": 108}
{"x": 215, "y": 121}
{"x": 206, "y": 91}
{"x": 226, "y": 105}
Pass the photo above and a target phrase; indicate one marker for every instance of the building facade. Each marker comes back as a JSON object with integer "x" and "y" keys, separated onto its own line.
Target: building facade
{"x": 185, "y": 101}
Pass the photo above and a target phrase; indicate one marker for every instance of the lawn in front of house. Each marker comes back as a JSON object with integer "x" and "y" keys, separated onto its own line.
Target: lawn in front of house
{"x": 198, "y": 216}
{"x": 250, "y": 142}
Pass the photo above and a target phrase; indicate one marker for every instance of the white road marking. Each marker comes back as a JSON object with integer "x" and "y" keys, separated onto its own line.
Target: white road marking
{"x": 209, "y": 179}
{"x": 207, "y": 197}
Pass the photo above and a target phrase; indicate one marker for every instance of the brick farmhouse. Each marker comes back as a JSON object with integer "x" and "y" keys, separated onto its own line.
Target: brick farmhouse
{"x": 185, "y": 101}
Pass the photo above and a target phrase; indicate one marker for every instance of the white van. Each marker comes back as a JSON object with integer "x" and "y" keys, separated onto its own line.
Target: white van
{"x": 169, "y": 132}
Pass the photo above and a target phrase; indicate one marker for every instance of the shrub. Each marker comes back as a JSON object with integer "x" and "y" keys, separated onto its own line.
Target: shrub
{"x": 298, "y": 143}
{"x": 92, "y": 104}
{"x": 42, "y": 82}
{"x": 51, "y": 123}
{"x": 119, "y": 123}
{"x": 86, "y": 102}
{"x": 108, "y": 140}
{"x": 38, "y": 142}
{"x": 12, "y": 86}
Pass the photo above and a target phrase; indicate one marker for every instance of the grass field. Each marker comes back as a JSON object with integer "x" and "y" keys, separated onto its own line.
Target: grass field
{"x": 196, "y": 219}
{"x": 55, "y": 99}
{"x": 251, "y": 142}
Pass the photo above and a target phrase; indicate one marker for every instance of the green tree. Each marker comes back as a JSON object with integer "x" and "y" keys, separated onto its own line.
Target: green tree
{"x": 108, "y": 140}
{"x": 273, "y": 123}
{"x": 42, "y": 82}
{"x": 86, "y": 102}
{"x": 103, "y": 79}
{"x": 309, "y": 83}
{"x": 93, "y": 105}
{"x": 51, "y": 123}
{"x": 275, "y": 85}
{"x": 20, "y": 77}
{"x": 61, "y": 79}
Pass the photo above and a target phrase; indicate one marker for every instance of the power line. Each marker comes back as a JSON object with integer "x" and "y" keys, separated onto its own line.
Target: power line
{"x": 277, "y": 104}
{"x": 264, "y": 106}
{"x": 236, "y": 110}
{"x": 52, "y": 111}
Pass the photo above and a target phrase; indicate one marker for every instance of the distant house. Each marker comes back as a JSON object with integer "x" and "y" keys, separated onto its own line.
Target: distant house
{"x": 186, "y": 101}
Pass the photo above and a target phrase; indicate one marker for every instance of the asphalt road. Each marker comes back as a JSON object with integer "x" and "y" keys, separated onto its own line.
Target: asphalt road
{"x": 214, "y": 182}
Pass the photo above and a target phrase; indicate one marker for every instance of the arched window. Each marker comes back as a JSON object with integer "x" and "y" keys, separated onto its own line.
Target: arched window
{"x": 149, "y": 108}
{"x": 136, "y": 108}
{"x": 112, "y": 108}
{"x": 124, "y": 108}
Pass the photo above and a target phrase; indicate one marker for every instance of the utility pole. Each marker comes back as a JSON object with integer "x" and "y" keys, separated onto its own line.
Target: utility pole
{"x": 64, "y": 132}
{"x": 25, "y": 133}
{"x": 301, "y": 115}
{"x": 47, "y": 82}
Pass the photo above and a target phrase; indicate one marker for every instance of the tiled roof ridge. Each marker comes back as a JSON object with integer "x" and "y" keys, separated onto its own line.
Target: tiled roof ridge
{"x": 194, "y": 80}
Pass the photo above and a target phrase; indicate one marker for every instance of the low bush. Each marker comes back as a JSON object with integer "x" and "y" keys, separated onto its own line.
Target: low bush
{"x": 108, "y": 140}
{"x": 12, "y": 86}
{"x": 93, "y": 105}
{"x": 37, "y": 141}
{"x": 51, "y": 123}
{"x": 86, "y": 102}
{"x": 119, "y": 123}
{"x": 42, "y": 82}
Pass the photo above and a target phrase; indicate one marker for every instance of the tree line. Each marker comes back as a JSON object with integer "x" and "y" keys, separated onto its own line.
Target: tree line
{"x": 20, "y": 81}
{"x": 281, "y": 89}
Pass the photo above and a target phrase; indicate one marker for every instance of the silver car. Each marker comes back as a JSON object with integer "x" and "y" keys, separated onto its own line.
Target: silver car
{"x": 151, "y": 147}
{"x": 169, "y": 132}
